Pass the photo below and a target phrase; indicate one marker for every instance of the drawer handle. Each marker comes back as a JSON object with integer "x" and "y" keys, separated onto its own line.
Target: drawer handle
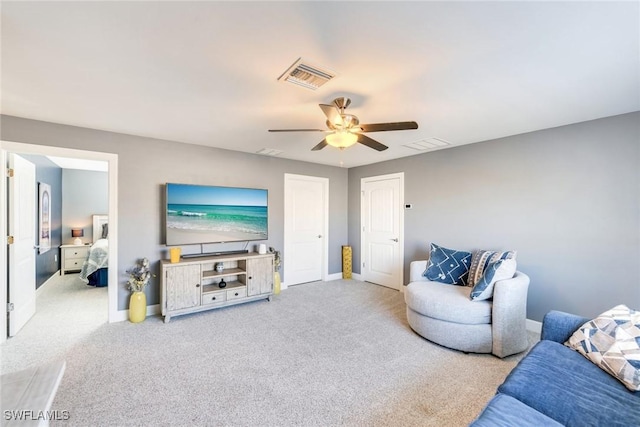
{"x": 236, "y": 294}
{"x": 213, "y": 299}
{"x": 198, "y": 285}
{"x": 250, "y": 277}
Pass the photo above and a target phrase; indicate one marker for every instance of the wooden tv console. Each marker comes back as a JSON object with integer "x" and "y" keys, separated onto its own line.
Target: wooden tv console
{"x": 192, "y": 285}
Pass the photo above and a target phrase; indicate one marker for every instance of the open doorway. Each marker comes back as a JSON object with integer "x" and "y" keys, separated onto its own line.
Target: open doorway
{"x": 112, "y": 161}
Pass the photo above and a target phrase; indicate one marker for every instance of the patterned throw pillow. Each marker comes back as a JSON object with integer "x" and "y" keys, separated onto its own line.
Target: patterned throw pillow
{"x": 612, "y": 342}
{"x": 499, "y": 270}
{"x": 482, "y": 259}
{"x": 448, "y": 266}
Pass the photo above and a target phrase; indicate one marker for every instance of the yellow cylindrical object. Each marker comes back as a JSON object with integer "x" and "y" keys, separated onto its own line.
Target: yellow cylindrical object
{"x": 175, "y": 254}
{"x": 276, "y": 282}
{"x": 137, "y": 307}
{"x": 346, "y": 262}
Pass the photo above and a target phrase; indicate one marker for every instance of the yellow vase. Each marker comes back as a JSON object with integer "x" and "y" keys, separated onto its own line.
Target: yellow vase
{"x": 346, "y": 262}
{"x": 276, "y": 282}
{"x": 137, "y": 307}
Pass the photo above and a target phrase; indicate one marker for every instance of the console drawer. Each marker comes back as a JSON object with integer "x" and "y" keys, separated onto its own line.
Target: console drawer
{"x": 236, "y": 293}
{"x": 214, "y": 298}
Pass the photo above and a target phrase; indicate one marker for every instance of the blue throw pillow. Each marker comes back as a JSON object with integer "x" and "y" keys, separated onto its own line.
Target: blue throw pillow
{"x": 481, "y": 261}
{"x": 448, "y": 266}
{"x": 499, "y": 270}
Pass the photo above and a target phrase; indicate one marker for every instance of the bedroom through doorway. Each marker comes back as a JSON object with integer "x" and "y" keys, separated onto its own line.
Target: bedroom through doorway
{"x": 100, "y": 300}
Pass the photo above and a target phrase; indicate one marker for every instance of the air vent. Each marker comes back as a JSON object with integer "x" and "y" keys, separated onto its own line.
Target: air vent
{"x": 269, "y": 152}
{"x": 303, "y": 74}
{"x": 427, "y": 144}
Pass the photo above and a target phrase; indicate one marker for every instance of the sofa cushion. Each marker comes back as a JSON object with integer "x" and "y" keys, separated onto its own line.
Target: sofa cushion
{"x": 481, "y": 260}
{"x": 563, "y": 385}
{"x": 448, "y": 266}
{"x": 612, "y": 342}
{"x": 505, "y": 411}
{"x": 448, "y": 303}
{"x": 500, "y": 270}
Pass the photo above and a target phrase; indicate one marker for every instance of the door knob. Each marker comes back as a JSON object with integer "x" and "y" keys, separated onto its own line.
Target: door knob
{"x": 319, "y": 236}
{"x": 395, "y": 240}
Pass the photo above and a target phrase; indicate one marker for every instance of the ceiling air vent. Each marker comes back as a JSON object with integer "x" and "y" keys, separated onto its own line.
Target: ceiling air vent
{"x": 427, "y": 144}
{"x": 269, "y": 152}
{"x": 306, "y": 75}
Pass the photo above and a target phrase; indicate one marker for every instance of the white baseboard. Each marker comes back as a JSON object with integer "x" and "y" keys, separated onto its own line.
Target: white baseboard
{"x": 46, "y": 282}
{"x": 534, "y": 326}
{"x": 283, "y": 286}
{"x": 357, "y": 276}
{"x": 334, "y": 276}
{"x": 123, "y": 315}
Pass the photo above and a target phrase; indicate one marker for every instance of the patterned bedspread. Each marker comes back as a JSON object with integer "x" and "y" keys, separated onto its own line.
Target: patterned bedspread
{"x": 98, "y": 258}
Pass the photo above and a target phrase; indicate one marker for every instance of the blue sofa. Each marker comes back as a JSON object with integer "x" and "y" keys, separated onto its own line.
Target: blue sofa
{"x": 557, "y": 386}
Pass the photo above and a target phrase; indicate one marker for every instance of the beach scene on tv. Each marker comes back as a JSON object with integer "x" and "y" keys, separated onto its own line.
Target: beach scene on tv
{"x": 209, "y": 214}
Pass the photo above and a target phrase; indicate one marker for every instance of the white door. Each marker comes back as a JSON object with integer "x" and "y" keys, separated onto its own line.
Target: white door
{"x": 383, "y": 230}
{"x": 22, "y": 256}
{"x": 305, "y": 228}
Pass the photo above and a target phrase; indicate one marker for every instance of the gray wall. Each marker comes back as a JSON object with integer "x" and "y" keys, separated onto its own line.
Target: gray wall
{"x": 146, "y": 164}
{"x": 567, "y": 199}
{"x": 47, "y": 172}
{"x": 84, "y": 194}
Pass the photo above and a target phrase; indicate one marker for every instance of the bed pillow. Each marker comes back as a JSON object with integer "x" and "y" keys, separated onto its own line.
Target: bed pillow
{"x": 612, "y": 342}
{"x": 500, "y": 270}
{"x": 448, "y": 266}
{"x": 105, "y": 230}
{"x": 482, "y": 259}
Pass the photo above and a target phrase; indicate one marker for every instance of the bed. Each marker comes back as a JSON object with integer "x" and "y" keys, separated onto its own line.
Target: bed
{"x": 95, "y": 267}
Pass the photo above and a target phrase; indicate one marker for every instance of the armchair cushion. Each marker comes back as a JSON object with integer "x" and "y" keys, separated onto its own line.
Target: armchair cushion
{"x": 447, "y": 303}
{"x": 448, "y": 266}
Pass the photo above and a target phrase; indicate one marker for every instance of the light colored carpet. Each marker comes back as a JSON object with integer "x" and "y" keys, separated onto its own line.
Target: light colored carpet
{"x": 320, "y": 354}
{"x": 67, "y": 310}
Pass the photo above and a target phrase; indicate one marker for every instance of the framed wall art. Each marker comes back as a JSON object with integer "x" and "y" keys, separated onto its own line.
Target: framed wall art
{"x": 44, "y": 217}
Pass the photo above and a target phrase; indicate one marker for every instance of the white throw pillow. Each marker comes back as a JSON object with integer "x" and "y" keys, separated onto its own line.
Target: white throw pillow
{"x": 612, "y": 342}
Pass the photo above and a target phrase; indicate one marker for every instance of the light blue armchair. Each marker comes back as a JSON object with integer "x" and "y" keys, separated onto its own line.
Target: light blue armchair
{"x": 446, "y": 315}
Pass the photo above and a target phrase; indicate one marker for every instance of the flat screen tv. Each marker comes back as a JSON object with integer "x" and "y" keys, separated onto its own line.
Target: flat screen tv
{"x": 210, "y": 214}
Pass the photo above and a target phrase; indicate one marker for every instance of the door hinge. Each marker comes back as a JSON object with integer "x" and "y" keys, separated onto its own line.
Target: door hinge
{"x": 10, "y": 173}
{"x": 363, "y": 264}
{"x": 10, "y": 307}
{"x": 9, "y": 240}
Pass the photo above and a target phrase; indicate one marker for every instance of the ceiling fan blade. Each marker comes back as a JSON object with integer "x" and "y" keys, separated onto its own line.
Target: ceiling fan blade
{"x": 320, "y": 146}
{"x": 297, "y": 130}
{"x": 380, "y": 127}
{"x": 333, "y": 115}
{"x": 371, "y": 143}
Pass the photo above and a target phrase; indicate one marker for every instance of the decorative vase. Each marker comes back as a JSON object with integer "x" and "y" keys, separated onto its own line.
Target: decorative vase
{"x": 137, "y": 307}
{"x": 276, "y": 282}
{"x": 346, "y": 262}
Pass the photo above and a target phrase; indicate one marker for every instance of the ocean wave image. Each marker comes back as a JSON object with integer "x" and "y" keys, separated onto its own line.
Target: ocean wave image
{"x": 235, "y": 219}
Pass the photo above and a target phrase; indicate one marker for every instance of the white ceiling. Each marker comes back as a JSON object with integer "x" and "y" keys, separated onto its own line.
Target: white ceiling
{"x": 81, "y": 164}
{"x": 205, "y": 72}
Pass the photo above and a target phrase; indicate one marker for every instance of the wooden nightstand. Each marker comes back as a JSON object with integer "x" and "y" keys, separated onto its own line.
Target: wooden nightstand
{"x": 73, "y": 256}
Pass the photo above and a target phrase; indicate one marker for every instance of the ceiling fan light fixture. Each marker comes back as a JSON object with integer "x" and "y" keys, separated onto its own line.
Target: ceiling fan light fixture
{"x": 342, "y": 139}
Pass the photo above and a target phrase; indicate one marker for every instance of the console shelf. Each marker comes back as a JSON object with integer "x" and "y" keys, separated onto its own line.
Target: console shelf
{"x": 193, "y": 285}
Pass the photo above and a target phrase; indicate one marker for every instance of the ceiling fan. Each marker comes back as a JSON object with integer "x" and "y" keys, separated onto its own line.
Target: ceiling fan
{"x": 344, "y": 129}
